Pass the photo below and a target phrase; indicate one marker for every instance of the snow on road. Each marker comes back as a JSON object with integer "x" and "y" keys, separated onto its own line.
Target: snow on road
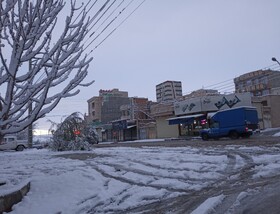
{"x": 111, "y": 180}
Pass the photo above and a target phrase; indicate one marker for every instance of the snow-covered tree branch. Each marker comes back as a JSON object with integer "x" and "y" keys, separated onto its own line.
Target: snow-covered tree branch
{"x": 41, "y": 59}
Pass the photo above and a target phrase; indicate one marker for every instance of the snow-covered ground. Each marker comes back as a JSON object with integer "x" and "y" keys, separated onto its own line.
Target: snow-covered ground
{"x": 112, "y": 180}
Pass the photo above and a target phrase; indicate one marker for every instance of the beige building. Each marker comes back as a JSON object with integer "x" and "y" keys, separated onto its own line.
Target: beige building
{"x": 201, "y": 93}
{"x": 94, "y": 109}
{"x": 268, "y": 110}
{"x": 161, "y": 112}
{"x": 168, "y": 91}
{"x": 258, "y": 83}
{"x": 264, "y": 86}
{"x": 106, "y": 107}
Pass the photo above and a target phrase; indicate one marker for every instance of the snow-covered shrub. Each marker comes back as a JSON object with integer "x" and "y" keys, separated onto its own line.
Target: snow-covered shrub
{"x": 73, "y": 134}
{"x": 78, "y": 144}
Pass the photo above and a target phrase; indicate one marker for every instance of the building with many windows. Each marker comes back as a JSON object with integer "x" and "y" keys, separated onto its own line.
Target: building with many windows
{"x": 106, "y": 107}
{"x": 140, "y": 123}
{"x": 117, "y": 117}
{"x": 258, "y": 83}
{"x": 201, "y": 93}
{"x": 168, "y": 91}
{"x": 264, "y": 87}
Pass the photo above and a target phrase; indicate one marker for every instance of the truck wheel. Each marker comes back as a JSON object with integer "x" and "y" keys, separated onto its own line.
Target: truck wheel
{"x": 204, "y": 136}
{"x": 234, "y": 135}
{"x": 20, "y": 148}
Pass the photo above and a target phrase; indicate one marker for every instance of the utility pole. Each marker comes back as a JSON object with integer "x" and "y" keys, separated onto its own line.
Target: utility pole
{"x": 30, "y": 127}
{"x": 135, "y": 118}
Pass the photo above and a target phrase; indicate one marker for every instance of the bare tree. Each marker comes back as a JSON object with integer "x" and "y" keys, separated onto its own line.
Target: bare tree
{"x": 34, "y": 63}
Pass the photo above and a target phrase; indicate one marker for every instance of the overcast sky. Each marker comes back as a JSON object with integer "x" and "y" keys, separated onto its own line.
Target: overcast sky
{"x": 198, "y": 42}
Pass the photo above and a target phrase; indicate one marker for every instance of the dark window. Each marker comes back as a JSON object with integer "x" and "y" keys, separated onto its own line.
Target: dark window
{"x": 264, "y": 103}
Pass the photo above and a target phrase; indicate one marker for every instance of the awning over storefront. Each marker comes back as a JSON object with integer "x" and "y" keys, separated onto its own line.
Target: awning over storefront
{"x": 188, "y": 119}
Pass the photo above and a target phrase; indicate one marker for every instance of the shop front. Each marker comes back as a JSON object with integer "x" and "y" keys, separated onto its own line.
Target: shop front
{"x": 189, "y": 125}
{"x": 192, "y": 113}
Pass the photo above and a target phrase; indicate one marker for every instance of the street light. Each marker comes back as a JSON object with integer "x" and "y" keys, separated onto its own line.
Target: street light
{"x": 275, "y": 60}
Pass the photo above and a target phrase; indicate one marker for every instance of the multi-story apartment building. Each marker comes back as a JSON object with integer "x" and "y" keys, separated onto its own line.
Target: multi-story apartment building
{"x": 115, "y": 116}
{"x": 106, "y": 107}
{"x": 139, "y": 119}
{"x": 264, "y": 86}
{"x": 138, "y": 108}
{"x": 202, "y": 93}
{"x": 168, "y": 91}
{"x": 258, "y": 83}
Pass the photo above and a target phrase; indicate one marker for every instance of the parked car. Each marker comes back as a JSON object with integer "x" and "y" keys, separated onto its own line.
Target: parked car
{"x": 12, "y": 143}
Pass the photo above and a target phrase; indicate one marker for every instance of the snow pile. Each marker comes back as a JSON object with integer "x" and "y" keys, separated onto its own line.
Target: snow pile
{"x": 276, "y": 134}
{"x": 267, "y": 165}
{"x": 209, "y": 205}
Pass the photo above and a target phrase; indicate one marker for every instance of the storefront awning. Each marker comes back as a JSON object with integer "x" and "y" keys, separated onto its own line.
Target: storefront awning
{"x": 188, "y": 119}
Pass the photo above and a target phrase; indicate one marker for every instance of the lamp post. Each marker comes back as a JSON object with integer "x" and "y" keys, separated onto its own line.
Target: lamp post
{"x": 275, "y": 60}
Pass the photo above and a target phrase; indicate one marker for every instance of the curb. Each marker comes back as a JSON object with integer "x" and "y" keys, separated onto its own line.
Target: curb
{"x": 7, "y": 201}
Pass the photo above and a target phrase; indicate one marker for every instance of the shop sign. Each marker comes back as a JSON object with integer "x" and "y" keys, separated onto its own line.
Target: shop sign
{"x": 212, "y": 103}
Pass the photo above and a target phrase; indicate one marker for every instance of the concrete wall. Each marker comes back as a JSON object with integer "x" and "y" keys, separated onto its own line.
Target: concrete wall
{"x": 164, "y": 130}
{"x": 275, "y": 110}
{"x": 268, "y": 110}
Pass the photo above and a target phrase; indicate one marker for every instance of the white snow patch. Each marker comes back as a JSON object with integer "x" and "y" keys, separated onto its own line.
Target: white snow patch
{"x": 276, "y": 134}
{"x": 209, "y": 205}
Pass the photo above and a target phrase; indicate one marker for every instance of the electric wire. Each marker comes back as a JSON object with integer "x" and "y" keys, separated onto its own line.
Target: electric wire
{"x": 109, "y": 24}
{"x": 43, "y": 75}
{"x": 229, "y": 86}
{"x": 117, "y": 27}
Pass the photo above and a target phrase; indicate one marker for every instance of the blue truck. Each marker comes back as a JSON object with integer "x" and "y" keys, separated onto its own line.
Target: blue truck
{"x": 234, "y": 123}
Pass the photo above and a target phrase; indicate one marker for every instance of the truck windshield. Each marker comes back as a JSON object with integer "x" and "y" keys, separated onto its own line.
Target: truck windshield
{"x": 214, "y": 124}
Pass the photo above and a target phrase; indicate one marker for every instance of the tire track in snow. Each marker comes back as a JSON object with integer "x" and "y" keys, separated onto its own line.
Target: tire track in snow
{"x": 187, "y": 203}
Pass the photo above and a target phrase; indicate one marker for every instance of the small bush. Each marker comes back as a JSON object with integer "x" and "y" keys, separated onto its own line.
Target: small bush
{"x": 73, "y": 134}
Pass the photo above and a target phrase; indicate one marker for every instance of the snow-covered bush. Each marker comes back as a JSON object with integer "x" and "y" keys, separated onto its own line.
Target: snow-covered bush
{"x": 73, "y": 134}
{"x": 76, "y": 145}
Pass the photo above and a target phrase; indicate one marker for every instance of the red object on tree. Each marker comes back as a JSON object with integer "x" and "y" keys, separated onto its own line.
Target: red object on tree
{"x": 77, "y": 132}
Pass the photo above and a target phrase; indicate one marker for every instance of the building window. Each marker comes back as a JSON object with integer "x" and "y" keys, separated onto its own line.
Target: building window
{"x": 248, "y": 83}
{"x": 264, "y": 80}
{"x": 264, "y": 103}
{"x": 265, "y": 92}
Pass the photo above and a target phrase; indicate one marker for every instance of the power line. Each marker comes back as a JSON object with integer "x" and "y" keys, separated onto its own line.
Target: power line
{"x": 110, "y": 15}
{"x": 117, "y": 27}
{"x": 230, "y": 82}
